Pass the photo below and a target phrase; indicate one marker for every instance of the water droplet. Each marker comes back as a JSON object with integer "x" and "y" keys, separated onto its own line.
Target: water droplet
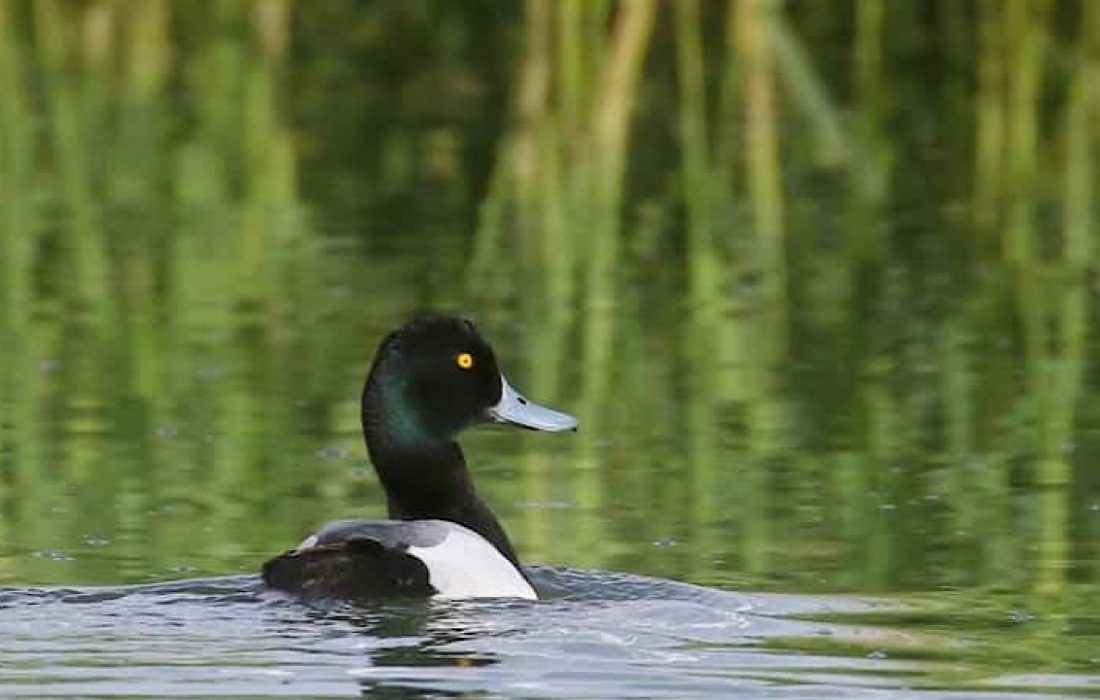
{"x": 331, "y": 453}
{"x": 1018, "y": 615}
{"x": 52, "y": 555}
{"x": 544, "y": 505}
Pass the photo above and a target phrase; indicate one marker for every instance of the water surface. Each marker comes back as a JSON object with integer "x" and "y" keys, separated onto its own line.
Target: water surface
{"x": 818, "y": 279}
{"x": 597, "y": 634}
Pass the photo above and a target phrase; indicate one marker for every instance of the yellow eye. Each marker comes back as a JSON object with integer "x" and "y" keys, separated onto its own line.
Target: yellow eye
{"x": 464, "y": 360}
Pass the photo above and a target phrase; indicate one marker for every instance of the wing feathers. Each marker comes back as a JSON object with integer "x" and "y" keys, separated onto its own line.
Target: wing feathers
{"x": 355, "y": 568}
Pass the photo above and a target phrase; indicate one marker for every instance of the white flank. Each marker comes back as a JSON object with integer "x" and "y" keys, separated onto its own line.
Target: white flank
{"x": 465, "y": 565}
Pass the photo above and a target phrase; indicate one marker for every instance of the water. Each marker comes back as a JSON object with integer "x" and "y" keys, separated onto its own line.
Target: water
{"x": 821, "y": 290}
{"x": 597, "y": 634}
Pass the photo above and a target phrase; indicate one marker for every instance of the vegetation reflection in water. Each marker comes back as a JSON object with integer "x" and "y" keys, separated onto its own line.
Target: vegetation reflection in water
{"x": 818, "y": 279}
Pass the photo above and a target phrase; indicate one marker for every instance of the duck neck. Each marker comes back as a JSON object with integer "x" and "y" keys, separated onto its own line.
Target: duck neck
{"x": 426, "y": 478}
{"x": 432, "y": 482}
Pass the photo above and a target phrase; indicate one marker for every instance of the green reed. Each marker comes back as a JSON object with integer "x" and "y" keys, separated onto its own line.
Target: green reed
{"x": 703, "y": 270}
{"x": 145, "y": 245}
{"x": 20, "y": 380}
{"x": 989, "y": 137}
{"x": 69, "y": 144}
{"x": 892, "y": 389}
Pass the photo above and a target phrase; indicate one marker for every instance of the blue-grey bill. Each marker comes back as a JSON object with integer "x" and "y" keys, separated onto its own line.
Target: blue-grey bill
{"x": 514, "y": 408}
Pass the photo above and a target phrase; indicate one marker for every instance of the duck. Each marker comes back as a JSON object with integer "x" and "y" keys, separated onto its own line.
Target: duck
{"x": 430, "y": 379}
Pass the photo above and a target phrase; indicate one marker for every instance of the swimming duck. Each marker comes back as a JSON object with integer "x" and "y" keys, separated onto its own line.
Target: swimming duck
{"x": 430, "y": 379}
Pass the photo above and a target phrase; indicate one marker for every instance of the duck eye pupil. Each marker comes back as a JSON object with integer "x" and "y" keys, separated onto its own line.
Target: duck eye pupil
{"x": 464, "y": 360}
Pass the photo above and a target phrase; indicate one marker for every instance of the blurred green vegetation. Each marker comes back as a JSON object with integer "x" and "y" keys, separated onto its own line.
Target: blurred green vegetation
{"x": 819, "y": 278}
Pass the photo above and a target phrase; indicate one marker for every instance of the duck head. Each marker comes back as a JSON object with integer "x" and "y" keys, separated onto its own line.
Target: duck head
{"x": 435, "y": 376}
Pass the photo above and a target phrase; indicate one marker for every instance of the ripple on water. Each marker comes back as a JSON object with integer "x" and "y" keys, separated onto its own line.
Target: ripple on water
{"x": 597, "y": 634}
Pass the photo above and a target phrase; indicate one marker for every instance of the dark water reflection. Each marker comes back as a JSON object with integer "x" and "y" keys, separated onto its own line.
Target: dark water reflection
{"x": 819, "y": 281}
